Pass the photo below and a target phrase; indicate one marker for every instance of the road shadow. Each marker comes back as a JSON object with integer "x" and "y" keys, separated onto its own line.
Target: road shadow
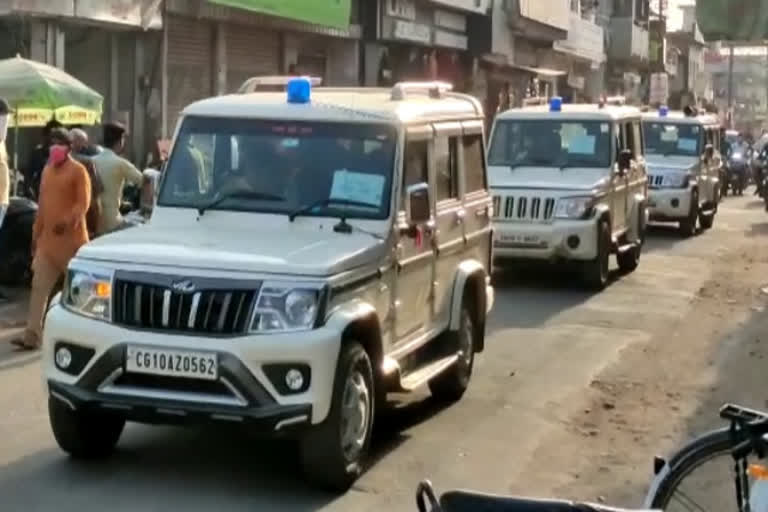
{"x": 755, "y": 204}
{"x": 757, "y": 229}
{"x": 195, "y": 469}
{"x": 664, "y": 237}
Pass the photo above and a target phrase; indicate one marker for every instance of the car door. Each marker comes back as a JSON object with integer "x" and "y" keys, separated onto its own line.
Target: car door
{"x": 638, "y": 177}
{"x": 450, "y": 215}
{"x": 620, "y": 182}
{"x": 415, "y": 251}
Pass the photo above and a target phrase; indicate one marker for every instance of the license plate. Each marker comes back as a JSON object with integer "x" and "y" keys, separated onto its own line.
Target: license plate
{"x": 172, "y": 363}
{"x": 521, "y": 239}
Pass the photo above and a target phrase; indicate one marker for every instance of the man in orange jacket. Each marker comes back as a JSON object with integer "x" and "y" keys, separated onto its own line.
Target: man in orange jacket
{"x": 60, "y": 230}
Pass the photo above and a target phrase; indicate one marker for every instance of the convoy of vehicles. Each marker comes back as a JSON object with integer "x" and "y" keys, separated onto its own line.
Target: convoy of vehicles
{"x": 569, "y": 184}
{"x": 308, "y": 254}
{"x": 314, "y": 249}
{"x": 684, "y": 160}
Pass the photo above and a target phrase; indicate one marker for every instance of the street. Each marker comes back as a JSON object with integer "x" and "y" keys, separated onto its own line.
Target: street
{"x": 574, "y": 395}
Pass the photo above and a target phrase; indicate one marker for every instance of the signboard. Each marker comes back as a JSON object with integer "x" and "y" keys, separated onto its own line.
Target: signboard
{"x": 401, "y": 9}
{"x": 475, "y": 6}
{"x": 451, "y": 20}
{"x": 659, "y": 93}
{"x": 413, "y": 31}
{"x": 333, "y": 13}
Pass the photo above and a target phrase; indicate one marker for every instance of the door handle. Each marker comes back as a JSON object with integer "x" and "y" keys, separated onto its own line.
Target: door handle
{"x": 460, "y": 214}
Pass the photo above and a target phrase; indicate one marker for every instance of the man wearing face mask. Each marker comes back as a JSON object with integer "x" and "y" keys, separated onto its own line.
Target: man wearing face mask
{"x": 60, "y": 230}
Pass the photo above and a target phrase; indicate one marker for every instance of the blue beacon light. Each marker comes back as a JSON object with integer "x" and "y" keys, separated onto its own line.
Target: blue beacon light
{"x": 299, "y": 90}
{"x": 663, "y": 111}
{"x": 556, "y": 104}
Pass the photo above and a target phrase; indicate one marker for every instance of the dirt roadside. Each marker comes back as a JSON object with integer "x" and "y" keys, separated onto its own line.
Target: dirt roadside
{"x": 663, "y": 392}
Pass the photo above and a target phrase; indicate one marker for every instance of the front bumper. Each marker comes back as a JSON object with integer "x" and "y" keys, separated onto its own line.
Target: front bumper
{"x": 669, "y": 203}
{"x": 559, "y": 240}
{"x": 245, "y": 388}
{"x": 270, "y": 419}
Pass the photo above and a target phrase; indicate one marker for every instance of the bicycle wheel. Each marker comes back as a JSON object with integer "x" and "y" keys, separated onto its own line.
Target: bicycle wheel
{"x": 698, "y": 478}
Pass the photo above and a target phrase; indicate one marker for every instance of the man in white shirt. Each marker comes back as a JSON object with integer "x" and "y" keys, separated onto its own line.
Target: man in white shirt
{"x": 114, "y": 172}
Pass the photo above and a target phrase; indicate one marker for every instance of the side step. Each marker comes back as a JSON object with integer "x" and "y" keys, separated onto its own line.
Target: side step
{"x": 421, "y": 376}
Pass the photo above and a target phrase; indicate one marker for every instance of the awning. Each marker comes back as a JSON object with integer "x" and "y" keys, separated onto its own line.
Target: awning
{"x": 334, "y": 13}
{"x": 542, "y": 72}
{"x": 505, "y": 68}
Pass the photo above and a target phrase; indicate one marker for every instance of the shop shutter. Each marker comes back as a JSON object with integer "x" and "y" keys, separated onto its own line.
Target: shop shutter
{"x": 251, "y": 51}
{"x": 190, "y": 64}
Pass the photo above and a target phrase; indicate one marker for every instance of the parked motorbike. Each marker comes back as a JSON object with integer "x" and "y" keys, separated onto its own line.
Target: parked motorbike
{"x": 16, "y": 242}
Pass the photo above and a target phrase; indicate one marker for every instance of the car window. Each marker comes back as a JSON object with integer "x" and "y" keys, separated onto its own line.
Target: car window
{"x": 415, "y": 169}
{"x": 277, "y": 167}
{"x": 474, "y": 163}
{"x": 550, "y": 143}
{"x": 446, "y": 168}
{"x": 673, "y": 139}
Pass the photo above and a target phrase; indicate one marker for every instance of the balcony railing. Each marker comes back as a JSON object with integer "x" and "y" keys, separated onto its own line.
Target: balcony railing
{"x": 585, "y": 40}
{"x": 628, "y": 40}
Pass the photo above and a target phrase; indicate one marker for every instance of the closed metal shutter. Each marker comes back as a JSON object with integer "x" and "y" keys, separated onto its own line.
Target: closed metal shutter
{"x": 251, "y": 51}
{"x": 190, "y": 63}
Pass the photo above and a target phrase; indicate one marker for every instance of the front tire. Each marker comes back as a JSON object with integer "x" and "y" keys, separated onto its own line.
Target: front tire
{"x": 450, "y": 385}
{"x": 688, "y": 225}
{"x": 84, "y": 435}
{"x": 333, "y": 453}
{"x": 596, "y": 271}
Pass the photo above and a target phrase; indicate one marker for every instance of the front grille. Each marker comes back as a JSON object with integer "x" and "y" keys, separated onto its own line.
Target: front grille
{"x": 655, "y": 180}
{"x": 177, "y": 384}
{"x": 206, "y": 311}
{"x": 525, "y": 209}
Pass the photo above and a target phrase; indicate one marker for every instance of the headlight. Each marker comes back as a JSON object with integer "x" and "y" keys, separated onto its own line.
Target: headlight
{"x": 676, "y": 180}
{"x": 574, "y": 207}
{"x": 286, "y": 307}
{"x": 89, "y": 292}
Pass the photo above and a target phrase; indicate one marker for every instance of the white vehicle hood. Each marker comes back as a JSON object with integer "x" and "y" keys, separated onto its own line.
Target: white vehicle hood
{"x": 280, "y": 249}
{"x": 570, "y": 178}
{"x": 670, "y": 163}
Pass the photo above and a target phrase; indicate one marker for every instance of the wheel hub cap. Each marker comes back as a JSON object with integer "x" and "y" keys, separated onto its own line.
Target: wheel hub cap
{"x": 356, "y": 408}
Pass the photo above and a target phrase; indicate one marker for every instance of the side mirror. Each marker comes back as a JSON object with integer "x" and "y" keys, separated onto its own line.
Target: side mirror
{"x": 624, "y": 160}
{"x": 418, "y": 210}
{"x": 709, "y": 151}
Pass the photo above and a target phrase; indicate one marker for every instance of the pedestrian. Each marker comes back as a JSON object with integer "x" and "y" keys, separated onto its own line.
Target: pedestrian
{"x": 5, "y": 174}
{"x": 37, "y": 161}
{"x": 114, "y": 171}
{"x": 83, "y": 151}
{"x": 59, "y": 230}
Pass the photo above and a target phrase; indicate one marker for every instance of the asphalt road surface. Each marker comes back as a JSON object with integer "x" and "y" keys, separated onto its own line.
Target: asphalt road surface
{"x": 547, "y": 340}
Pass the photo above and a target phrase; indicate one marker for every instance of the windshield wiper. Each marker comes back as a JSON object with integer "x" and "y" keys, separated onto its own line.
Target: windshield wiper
{"x": 239, "y": 194}
{"x": 325, "y": 202}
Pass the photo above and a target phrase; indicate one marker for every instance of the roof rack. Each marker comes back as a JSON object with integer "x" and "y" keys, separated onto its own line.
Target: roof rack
{"x": 435, "y": 89}
{"x": 272, "y": 83}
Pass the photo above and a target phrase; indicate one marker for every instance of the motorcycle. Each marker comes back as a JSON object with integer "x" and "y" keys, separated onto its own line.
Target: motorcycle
{"x": 737, "y": 170}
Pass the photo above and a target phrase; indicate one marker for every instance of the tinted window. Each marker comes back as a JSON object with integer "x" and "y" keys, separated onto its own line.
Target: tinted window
{"x": 547, "y": 143}
{"x": 673, "y": 139}
{"x": 277, "y": 167}
{"x": 474, "y": 163}
{"x": 446, "y": 168}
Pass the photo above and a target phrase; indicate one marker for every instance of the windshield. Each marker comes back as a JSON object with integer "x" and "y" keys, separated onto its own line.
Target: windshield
{"x": 278, "y": 167}
{"x": 672, "y": 139}
{"x": 547, "y": 143}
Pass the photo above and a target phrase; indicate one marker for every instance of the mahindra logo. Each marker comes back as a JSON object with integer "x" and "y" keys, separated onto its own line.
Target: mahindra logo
{"x": 185, "y": 286}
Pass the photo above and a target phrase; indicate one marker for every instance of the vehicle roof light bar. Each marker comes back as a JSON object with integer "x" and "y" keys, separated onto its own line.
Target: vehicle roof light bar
{"x": 434, "y": 89}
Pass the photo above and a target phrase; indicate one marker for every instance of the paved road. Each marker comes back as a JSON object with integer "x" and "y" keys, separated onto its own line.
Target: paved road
{"x": 546, "y": 342}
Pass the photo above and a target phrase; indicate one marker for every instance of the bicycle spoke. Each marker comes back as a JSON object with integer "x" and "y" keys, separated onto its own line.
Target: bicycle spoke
{"x": 687, "y": 502}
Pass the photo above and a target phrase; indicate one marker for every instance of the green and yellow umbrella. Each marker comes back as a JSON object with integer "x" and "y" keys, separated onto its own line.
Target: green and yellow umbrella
{"x": 37, "y": 93}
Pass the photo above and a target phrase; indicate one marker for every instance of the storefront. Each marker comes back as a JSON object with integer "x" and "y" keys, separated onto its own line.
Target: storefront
{"x": 421, "y": 40}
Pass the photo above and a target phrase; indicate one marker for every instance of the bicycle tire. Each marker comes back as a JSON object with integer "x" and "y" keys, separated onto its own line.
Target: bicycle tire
{"x": 697, "y": 452}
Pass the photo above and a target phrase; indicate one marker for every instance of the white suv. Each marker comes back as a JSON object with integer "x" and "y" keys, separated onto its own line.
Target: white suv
{"x": 569, "y": 185}
{"x": 306, "y": 256}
